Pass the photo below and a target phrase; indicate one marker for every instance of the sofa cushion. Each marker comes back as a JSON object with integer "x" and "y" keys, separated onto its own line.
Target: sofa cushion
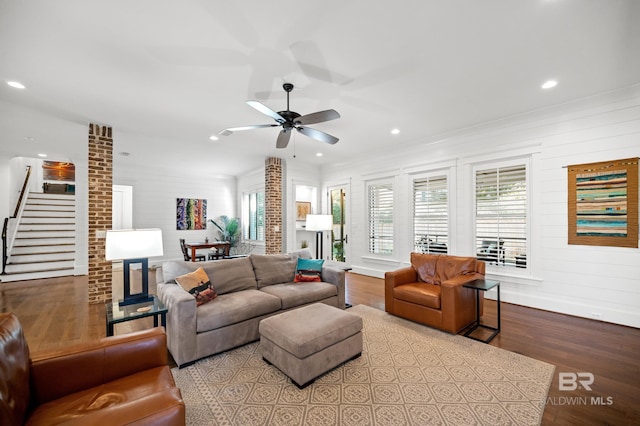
{"x": 192, "y": 279}
{"x": 425, "y": 266}
{"x": 175, "y": 268}
{"x": 297, "y": 294}
{"x": 308, "y": 270}
{"x": 453, "y": 266}
{"x": 419, "y": 293}
{"x": 140, "y": 397}
{"x": 231, "y": 308}
{"x": 229, "y": 275}
{"x": 197, "y": 283}
{"x": 272, "y": 269}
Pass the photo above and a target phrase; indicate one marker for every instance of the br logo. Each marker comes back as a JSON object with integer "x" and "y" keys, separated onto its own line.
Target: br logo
{"x": 568, "y": 381}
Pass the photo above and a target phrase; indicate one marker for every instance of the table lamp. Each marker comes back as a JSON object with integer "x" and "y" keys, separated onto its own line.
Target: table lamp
{"x": 319, "y": 223}
{"x": 134, "y": 246}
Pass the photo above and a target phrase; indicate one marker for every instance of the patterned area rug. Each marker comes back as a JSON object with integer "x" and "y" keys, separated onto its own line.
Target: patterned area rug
{"x": 408, "y": 374}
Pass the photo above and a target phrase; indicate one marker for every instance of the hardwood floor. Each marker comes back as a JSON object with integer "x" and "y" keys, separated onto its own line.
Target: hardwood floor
{"x": 55, "y": 313}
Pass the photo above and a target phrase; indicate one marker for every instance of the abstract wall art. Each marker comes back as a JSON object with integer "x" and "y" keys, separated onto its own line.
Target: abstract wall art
{"x": 191, "y": 213}
{"x": 603, "y": 203}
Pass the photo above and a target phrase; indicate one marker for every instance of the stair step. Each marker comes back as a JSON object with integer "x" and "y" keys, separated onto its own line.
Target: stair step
{"x": 39, "y": 266}
{"x": 37, "y": 202}
{"x": 43, "y": 249}
{"x": 49, "y": 273}
{"x": 38, "y": 198}
{"x": 48, "y": 208}
{"x": 39, "y": 220}
{"x": 20, "y": 235}
{"x": 30, "y": 242}
{"x": 50, "y": 195}
{"x": 52, "y": 214}
{"x": 44, "y": 227}
{"x": 41, "y": 257}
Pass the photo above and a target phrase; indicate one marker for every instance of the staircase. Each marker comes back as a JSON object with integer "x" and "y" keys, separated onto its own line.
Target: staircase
{"x": 45, "y": 240}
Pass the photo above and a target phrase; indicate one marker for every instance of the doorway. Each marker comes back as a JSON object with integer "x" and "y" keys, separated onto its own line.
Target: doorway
{"x": 338, "y": 203}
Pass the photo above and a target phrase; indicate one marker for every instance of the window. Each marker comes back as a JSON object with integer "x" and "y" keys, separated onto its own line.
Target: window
{"x": 501, "y": 215}
{"x": 430, "y": 215}
{"x": 380, "y": 203}
{"x": 253, "y": 216}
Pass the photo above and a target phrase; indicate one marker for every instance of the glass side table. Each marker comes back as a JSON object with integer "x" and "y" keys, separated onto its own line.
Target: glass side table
{"x": 116, "y": 313}
{"x": 478, "y": 286}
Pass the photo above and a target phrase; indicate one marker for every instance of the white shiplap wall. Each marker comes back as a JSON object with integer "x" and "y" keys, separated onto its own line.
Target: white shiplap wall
{"x": 155, "y": 191}
{"x": 588, "y": 281}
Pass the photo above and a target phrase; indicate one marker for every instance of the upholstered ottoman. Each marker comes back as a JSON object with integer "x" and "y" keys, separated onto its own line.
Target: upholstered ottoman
{"x": 307, "y": 342}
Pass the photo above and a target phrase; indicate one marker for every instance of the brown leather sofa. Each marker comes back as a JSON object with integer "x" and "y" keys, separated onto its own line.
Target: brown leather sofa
{"x": 112, "y": 381}
{"x": 430, "y": 291}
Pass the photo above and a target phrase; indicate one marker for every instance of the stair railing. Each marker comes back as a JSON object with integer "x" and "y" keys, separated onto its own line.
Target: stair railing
{"x": 10, "y": 227}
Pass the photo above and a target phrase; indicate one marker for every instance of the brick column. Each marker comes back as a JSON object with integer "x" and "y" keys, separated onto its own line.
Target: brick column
{"x": 273, "y": 205}
{"x": 100, "y": 175}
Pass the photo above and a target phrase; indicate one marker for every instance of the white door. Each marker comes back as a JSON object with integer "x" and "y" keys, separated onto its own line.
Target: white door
{"x": 338, "y": 201}
{"x": 122, "y": 210}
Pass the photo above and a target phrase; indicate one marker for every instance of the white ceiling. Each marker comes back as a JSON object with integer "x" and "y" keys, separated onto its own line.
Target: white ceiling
{"x": 168, "y": 74}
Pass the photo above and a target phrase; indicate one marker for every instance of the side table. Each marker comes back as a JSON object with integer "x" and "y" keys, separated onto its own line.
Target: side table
{"x": 478, "y": 286}
{"x": 116, "y": 313}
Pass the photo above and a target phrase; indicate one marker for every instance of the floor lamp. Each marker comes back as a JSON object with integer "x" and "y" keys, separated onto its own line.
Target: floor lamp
{"x": 319, "y": 223}
{"x": 134, "y": 246}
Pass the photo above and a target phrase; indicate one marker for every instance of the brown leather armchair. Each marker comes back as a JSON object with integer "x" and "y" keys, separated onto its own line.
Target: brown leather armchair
{"x": 115, "y": 380}
{"x": 431, "y": 291}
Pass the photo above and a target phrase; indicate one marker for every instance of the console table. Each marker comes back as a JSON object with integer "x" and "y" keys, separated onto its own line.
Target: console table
{"x": 478, "y": 286}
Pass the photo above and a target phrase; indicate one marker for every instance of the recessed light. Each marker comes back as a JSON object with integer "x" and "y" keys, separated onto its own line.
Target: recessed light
{"x": 29, "y": 138}
{"x": 124, "y": 153}
{"x": 395, "y": 131}
{"x": 214, "y": 137}
{"x": 42, "y": 155}
{"x": 319, "y": 154}
{"x": 16, "y": 84}
{"x": 549, "y": 84}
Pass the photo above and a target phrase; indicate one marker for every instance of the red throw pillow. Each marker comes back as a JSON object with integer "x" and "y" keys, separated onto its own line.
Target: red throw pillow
{"x": 306, "y": 276}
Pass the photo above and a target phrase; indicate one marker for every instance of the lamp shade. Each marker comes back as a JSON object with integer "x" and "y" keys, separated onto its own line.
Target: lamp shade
{"x": 319, "y": 222}
{"x": 133, "y": 244}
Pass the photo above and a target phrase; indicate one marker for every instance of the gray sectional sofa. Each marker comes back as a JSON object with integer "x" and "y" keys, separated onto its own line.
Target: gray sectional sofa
{"x": 249, "y": 289}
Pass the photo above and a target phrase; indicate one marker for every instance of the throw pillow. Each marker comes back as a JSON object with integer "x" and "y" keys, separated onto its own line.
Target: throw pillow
{"x": 308, "y": 270}
{"x": 197, "y": 283}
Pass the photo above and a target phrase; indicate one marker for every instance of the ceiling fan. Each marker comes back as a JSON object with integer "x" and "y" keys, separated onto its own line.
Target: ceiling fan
{"x": 290, "y": 120}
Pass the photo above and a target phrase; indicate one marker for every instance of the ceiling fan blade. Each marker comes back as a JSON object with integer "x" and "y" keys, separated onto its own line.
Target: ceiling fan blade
{"x": 230, "y": 130}
{"x": 317, "y": 134}
{"x": 283, "y": 138}
{"x": 266, "y": 110}
{"x": 318, "y": 117}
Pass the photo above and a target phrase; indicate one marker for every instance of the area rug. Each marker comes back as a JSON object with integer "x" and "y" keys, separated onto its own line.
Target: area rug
{"x": 408, "y": 374}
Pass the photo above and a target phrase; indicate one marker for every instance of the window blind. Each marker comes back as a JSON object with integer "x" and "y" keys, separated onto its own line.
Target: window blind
{"x": 254, "y": 216}
{"x": 380, "y": 203}
{"x": 431, "y": 215}
{"x": 501, "y": 215}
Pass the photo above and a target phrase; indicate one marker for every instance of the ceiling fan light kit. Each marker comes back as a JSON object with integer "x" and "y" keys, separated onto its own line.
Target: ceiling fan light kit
{"x": 290, "y": 120}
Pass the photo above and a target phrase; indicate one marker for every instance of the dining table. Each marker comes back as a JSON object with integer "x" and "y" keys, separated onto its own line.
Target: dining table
{"x": 225, "y": 245}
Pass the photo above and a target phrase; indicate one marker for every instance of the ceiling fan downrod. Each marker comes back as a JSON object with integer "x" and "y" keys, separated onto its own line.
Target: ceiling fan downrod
{"x": 288, "y": 87}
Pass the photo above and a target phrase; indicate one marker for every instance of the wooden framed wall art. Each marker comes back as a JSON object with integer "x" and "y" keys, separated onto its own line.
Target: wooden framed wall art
{"x": 303, "y": 208}
{"x": 603, "y": 203}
